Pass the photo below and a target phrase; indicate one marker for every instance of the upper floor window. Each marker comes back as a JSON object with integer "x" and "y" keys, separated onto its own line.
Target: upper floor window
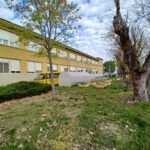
{"x": 63, "y": 54}
{"x": 33, "y": 46}
{"x": 89, "y": 61}
{"x": 93, "y": 62}
{"x": 53, "y": 51}
{"x": 84, "y": 60}
{"x": 9, "y": 39}
{"x": 72, "y": 56}
{"x": 79, "y": 58}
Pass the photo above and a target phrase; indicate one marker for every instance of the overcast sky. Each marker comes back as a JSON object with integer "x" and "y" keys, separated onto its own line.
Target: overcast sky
{"x": 96, "y": 21}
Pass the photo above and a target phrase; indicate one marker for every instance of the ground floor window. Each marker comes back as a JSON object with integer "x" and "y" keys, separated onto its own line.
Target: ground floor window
{"x": 9, "y": 66}
{"x": 73, "y": 69}
{"x": 63, "y": 68}
{"x": 55, "y": 67}
{"x": 79, "y": 69}
{"x": 14, "y": 66}
{"x": 34, "y": 67}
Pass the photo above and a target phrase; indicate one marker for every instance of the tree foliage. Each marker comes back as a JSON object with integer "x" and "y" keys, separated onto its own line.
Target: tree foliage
{"x": 54, "y": 20}
{"x": 109, "y": 67}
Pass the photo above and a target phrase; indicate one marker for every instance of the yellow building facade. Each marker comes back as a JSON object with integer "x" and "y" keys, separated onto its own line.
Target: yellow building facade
{"x": 17, "y": 57}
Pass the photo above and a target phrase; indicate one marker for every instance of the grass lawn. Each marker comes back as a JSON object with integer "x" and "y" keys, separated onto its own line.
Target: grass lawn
{"x": 79, "y": 119}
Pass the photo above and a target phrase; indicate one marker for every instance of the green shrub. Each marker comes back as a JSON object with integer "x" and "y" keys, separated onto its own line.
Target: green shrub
{"x": 22, "y": 89}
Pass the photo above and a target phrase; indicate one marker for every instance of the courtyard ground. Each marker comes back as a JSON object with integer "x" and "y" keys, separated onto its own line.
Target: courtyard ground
{"x": 78, "y": 119}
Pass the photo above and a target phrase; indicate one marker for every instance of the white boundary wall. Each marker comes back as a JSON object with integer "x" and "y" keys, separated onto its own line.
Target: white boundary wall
{"x": 8, "y": 78}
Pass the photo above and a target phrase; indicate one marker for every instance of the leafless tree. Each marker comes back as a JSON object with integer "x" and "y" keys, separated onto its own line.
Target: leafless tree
{"x": 130, "y": 46}
{"x": 143, "y": 11}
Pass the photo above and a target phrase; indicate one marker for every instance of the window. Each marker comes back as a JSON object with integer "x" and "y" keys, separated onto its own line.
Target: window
{"x": 84, "y": 70}
{"x": 89, "y": 61}
{"x": 84, "y": 60}
{"x": 73, "y": 69}
{"x": 79, "y": 58}
{"x": 93, "y": 62}
{"x": 38, "y": 67}
{"x": 1, "y": 41}
{"x": 34, "y": 67}
{"x": 5, "y": 42}
{"x": 14, "y": 66}
{"x": 63, "y": 54}
{"x": 79, "y": 69}
{"x": 9, "y": 66}
{"x": 53, "y": 51}
{"x": 63, "y": 68}
{"x": 33, "y": 46}
{"x": 8, "y": 38}
{"x": 4, "y": 65}
{"x": 55, "y": 67}
{"x": 14, "y": 44}
{"x": 72, "y": 56}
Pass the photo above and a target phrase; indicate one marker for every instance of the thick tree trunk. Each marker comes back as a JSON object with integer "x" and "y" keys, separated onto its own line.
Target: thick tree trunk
{"x": 125, "y": 80}
{"x": 51, "y": 73}
{"x": 140, "y": 88}
{"x": 140, "y": 75}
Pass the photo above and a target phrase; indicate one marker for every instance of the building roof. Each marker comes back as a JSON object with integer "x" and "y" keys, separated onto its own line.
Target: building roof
{"x": 13, "y": 26}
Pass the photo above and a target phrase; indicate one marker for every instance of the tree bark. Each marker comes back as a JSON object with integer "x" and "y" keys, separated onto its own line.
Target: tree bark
{"x": 140, "y": 75}
{"x": 143, "y": 84}
{"x": 51, "y": 73}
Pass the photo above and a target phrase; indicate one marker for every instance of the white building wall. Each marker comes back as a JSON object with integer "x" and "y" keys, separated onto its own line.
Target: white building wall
{"x": 8, "y": 78}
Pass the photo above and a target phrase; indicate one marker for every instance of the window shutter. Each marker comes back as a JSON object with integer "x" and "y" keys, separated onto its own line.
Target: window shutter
{"x": 38, "y": 67}
{"x": 31, "y": 67}
{"x": 14, "y": 65}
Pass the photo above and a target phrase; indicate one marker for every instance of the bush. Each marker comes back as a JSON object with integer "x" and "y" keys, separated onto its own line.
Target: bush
{"x": 22, "y": 89}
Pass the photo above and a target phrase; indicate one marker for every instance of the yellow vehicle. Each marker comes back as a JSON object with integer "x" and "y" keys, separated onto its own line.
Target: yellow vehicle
{"x": 45, "y": 78}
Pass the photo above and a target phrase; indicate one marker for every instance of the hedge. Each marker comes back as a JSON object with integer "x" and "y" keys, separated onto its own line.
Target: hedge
{"x": 22, "y": 89}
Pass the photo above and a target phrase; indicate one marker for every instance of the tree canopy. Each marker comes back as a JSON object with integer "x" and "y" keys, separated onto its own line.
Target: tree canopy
{"x": 109, "y": 67}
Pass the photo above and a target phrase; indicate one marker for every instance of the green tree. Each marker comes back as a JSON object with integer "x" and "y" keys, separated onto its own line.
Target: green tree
{"x": 109, "y": 67}
{"x": 54, "y": 20}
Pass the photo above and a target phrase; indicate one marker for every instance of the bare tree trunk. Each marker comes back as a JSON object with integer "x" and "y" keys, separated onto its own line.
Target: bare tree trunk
{"x": 141, "y": 86}
{"x": 51, "y": 73}
{"x": 124, "y": 79}
{"x": 140, "y": 76}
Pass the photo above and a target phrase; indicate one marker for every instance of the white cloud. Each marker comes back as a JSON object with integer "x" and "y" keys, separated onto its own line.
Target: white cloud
{"x": 96, "y": 21}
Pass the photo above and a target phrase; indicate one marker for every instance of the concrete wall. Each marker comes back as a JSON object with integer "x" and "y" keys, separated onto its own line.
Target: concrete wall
{"x": 8, "y": 78}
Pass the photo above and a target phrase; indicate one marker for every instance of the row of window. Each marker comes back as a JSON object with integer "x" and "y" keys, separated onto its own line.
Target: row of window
{"x": 72, "y": 56}
{"x": 11, "y": 39}
{"x": 13, "y": 66}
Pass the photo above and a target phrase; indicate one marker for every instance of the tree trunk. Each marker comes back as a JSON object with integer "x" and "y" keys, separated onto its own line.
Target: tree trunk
{"x": 124, "y": 78}
{"x": 141, "y": 86}
{"x": 51, "y": 74}
{"x": 140, "y": 75}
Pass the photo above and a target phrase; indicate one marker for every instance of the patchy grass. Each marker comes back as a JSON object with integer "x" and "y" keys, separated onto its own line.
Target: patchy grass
{"x": 79, "y": 118}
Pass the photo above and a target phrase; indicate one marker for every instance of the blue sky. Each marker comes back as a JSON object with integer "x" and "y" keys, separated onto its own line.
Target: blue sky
{"x": 96, "y": 21}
